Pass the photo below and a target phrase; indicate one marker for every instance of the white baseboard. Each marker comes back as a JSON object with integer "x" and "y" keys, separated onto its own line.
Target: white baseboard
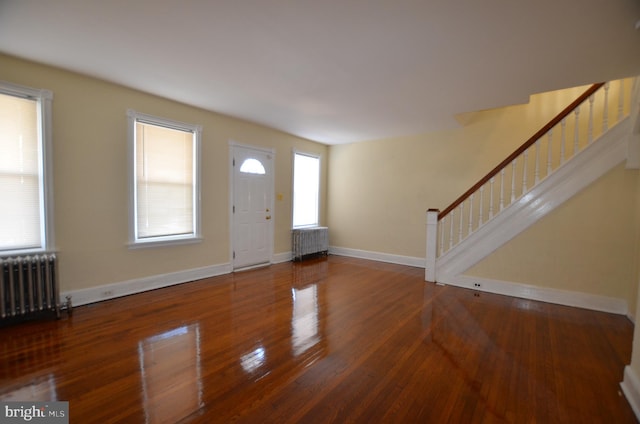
{"x": 377, "y": 256}
{"x": 562, "y": 297}
{"x": 631, "y": 389}
{"x": 543, "y": 294}
{"x": 139, "y": 285}
{"x": 282, "y": 257}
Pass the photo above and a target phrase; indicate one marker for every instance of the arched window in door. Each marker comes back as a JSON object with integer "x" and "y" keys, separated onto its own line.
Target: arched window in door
{"x": 252, "y": 166}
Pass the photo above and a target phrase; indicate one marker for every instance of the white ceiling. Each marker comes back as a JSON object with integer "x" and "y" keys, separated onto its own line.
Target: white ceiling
{"x": 333, "y": 71}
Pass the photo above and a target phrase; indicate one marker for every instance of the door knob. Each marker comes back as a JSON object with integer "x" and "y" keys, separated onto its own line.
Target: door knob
{"x": 268, "y": 217}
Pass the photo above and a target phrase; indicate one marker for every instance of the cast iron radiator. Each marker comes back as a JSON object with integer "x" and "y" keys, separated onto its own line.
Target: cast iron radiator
{"x": 29, "y": 285}
{"x": 310, "y": 241}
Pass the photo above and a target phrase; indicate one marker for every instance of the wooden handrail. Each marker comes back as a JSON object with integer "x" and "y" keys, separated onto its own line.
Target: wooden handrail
{"x": 522, "y": 148}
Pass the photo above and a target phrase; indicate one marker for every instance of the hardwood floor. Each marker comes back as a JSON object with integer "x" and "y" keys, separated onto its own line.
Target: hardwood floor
{"x": 328, "y": 340}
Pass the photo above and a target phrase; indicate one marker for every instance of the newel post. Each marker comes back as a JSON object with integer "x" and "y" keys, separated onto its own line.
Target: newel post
{"x": 432, "y": 244}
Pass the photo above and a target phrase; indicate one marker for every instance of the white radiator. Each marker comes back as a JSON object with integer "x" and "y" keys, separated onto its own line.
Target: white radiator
{"x": 28, "y": 284}
{"x": 310, "y": 241}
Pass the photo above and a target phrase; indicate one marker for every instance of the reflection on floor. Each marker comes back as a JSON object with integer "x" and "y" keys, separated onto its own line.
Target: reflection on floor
{"x": 327, "y": 340}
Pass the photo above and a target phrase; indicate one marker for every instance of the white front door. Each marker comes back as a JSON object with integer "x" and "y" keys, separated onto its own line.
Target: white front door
{"x": 252, "y": 209}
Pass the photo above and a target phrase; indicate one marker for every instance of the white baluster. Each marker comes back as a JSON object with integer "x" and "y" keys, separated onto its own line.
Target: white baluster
{"x": 590, "y": 128}
{"x": 452, "y": 215}
{"x": 491, "y": 182}
{"x": 563, "y": 123}
{"x": 524, "y": 171}
{"x": 470, "y": 230}
{"x": 605, "y": 115}
{"x": 576, "y": 132}
{"x": 549, "y": 151}
{"x": 502, "y": 189}
{"x": 441, "y": 230}
{"x": 513, "y": 180}
{"x": 621, "y": 101}
{"x": 461, "y": 219}
{"x": 537, "y": 170}
{"x": 481, "y": 206}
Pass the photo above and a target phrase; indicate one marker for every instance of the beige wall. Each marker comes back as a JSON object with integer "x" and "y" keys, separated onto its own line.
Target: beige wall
{"x": 586, "y": 245}
{"x": 90, "y": 177}
{"x": 379, "y": 192}
{"x": 635, "y": 356}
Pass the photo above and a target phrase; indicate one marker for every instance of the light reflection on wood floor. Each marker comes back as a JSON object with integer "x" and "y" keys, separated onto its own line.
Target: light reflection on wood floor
{"x": 327, "y": 340}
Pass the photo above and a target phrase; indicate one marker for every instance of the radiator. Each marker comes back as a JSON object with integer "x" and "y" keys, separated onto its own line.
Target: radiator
{"x": 28, "y": 285}
{"x": 310, "y": 241}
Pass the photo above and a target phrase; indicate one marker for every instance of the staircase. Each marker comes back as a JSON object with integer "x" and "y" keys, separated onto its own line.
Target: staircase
{"x": 586, "y": 140}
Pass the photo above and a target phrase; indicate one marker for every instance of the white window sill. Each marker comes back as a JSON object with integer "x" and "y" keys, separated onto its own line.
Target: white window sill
{"x": 164, "y": 242}
{"x": 26, "y": 252}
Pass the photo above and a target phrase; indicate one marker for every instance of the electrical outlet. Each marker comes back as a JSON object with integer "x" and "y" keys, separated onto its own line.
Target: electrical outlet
{"x": 107, "y": 293}
{"x": 477, "y": 285}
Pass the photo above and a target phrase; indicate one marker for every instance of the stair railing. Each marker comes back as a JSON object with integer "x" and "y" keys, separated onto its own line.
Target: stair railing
{"x": 554, "y": 144}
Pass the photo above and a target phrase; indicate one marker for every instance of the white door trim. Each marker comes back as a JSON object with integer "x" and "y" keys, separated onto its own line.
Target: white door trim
{"x": 272, "y": 151}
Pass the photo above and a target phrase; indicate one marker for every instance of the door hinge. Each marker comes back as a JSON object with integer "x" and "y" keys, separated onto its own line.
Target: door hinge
{"x": 234, "y": 161}
{"x": 234, "y": 208}
{"x": 234, "y": 254}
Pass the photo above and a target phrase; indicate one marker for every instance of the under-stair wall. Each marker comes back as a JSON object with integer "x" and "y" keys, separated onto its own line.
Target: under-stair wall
{"x": 584, "y": 146}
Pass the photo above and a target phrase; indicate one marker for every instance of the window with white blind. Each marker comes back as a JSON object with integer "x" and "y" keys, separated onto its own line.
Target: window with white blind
{"x": 25, "y": 171}
{"x": 306, "y": 190}
{"x": 164, "y": 180}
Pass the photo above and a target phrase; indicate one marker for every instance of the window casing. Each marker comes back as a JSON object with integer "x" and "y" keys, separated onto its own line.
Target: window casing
{"x": 164, "y": 181}
{"x": 26, "y": 179}
{"x": 306, "y": 190}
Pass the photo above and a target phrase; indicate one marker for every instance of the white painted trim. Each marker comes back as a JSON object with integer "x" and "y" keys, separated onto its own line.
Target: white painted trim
{"x": 295, "y": 152}
{"x": 631, "y": 389}
{"x": 134, "y": 241}
{"x": 269, "y": 150}
{"x": 44, "y": 100}
{"x": 544, "y": 294}
{"x": 282, "y": 257}
{"x": 231, "y": 199}
{"x": 432, "y": 245}
{"x": 46, "y": 125}
{"x": 233, "y": 145}
{"x": 165, "y": 241}
{"x": 377, "y": 256}
{"x": 592, "y": 163}
{"x": 139, "y": 285}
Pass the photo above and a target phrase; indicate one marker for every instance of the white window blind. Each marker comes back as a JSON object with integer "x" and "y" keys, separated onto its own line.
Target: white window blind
{"x": 306, "y": 190}
{"x": 22, "y": 211}
{"x": 166, "y": 183}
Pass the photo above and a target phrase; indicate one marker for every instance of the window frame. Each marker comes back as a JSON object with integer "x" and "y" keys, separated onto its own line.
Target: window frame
{"x": 44, "y": 99}
{"x": 293, "y": 182}
{"x": 165, "y": 240}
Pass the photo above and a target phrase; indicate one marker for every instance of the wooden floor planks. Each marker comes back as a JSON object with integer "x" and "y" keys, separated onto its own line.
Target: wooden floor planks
{"x": 327, "y": 340}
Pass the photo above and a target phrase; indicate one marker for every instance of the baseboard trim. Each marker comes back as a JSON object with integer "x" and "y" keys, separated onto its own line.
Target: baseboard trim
{"x": 282, "y": 257}
{"x": 631, "y": 389}
{"x": 543, "y": 294}
{"x": 139, "y": 285}
{"x": 377, "y": 256}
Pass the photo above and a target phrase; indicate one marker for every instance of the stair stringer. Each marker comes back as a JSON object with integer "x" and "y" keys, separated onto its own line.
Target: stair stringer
{"x": 595, "y": 160}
